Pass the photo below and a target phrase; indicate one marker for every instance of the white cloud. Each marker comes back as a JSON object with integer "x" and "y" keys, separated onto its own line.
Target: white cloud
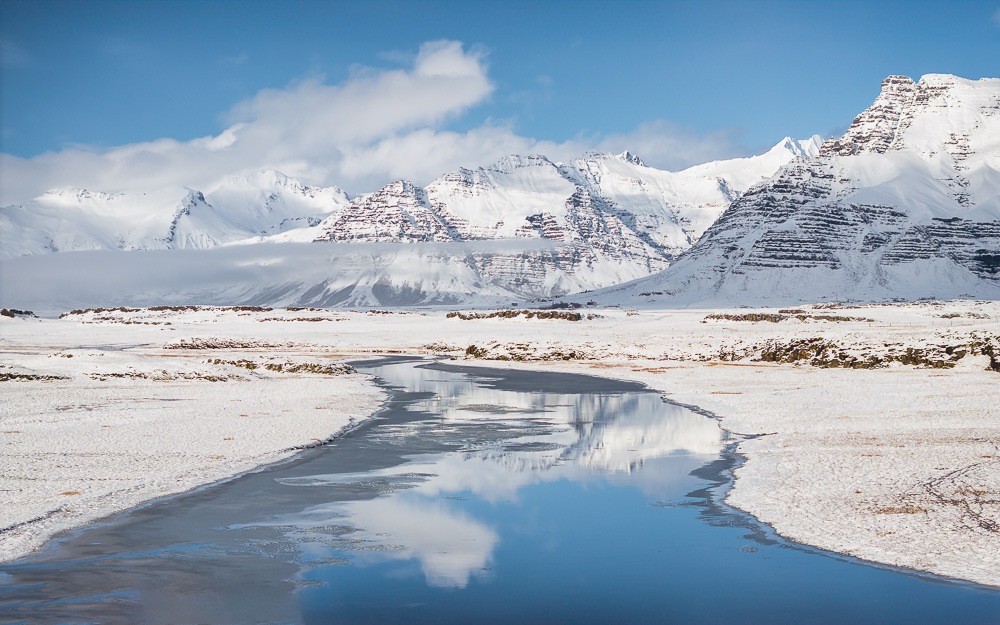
{"x": 996, "y": 17}
{"x": 375, "y": 127}
{"x": 307, "y": 128}
{"x": 450, "y": 546}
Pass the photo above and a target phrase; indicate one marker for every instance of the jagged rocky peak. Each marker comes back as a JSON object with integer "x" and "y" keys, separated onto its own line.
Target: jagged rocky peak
{"x": 938, "y": 114}
{"x": 512, "y": 162}
{"x": 875, "y": 128}
{"x": 193, "y": 197}
{"x": 800, "y": 148}
{"x": 628, "y": 157}
{"x": 596, "y": 155}
{"x": 393, "y": 191}
{"x": 399, "y": 212}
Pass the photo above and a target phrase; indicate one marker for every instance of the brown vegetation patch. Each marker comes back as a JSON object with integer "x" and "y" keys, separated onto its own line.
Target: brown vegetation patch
{"x": 125, "y": 309}
{"x": 908, "y": 509}
{"x": 779, "y": 317}
{"x": 820, "y": 352}
{"x": 24, "y": 377}
{"x": 288, "y": 367}
{"x": 221, "y": 343}
{"x": 161, "y": 375}
{"x": 512, "y": 314}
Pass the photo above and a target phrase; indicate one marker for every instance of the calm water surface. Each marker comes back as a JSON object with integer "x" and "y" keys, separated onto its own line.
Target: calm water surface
{"x": 477, "y": 497}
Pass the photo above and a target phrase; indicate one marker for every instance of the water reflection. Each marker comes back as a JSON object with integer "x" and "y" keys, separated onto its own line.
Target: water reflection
{"x": 502, "y": 442}
{"x": 494, "y": 498}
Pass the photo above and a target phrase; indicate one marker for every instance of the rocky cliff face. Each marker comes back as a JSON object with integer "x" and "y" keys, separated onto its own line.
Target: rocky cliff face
{"x": 877, "y": 127}
{"x": 905, "y": 205}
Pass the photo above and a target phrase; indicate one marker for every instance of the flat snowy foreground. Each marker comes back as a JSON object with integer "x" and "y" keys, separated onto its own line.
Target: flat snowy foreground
{"x": 880, "y": 424}
{"x": 88, "y": 431}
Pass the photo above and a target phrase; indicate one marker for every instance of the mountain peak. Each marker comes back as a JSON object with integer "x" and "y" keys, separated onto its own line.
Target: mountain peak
{"x": 72, "y": 195}
{"x": 511, "y": 162}
{"x": 628, "y": 157}
{"x": 799, "y": 147}
{"x": 939, "y": 114}
{"x": 597, "y": 155}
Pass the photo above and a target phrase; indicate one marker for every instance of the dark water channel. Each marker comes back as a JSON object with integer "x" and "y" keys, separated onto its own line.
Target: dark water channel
{"x": 477, "y": 497}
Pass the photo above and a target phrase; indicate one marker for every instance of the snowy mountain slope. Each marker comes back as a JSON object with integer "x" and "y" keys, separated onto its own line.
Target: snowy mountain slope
{"x": 514, "y": 197}
{"x": 905, "y": 205}
{"x": 561, "y": 228}
{"x": 245, "y": 205}
{"x": 613, "y": 218}
{"x": 743, "y": 173}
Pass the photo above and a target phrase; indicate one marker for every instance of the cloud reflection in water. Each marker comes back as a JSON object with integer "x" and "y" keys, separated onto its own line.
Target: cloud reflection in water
{"x": 504, "y": 441}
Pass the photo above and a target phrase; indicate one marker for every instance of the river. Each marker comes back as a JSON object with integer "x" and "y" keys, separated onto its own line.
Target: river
{"x": 476, "y": 496}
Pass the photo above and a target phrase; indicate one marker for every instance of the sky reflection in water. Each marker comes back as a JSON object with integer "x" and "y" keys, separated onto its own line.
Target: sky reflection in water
{"x": 474, "y": 498}
{"x": 523, "y": 439}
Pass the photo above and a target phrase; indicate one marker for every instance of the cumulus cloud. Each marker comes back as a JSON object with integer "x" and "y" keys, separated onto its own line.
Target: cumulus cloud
{"x": 375, "y": 127}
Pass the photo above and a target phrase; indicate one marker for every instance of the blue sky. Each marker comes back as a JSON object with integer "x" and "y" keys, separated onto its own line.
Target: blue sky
{"x": 714, "y": 79}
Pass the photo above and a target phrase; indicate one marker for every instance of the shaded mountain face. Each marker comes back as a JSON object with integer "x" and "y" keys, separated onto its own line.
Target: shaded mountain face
{"x": 905, "y": 205}
{"x": 564, "y": 227}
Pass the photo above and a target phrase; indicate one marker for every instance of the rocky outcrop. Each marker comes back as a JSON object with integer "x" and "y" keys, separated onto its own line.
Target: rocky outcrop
{"x": 878, "y": 126}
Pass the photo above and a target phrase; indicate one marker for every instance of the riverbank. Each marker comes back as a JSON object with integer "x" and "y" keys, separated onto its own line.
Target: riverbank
{"x": 89, "y": 431}
{"x": 878, "y": 465}
{"x": 879, "y": 423}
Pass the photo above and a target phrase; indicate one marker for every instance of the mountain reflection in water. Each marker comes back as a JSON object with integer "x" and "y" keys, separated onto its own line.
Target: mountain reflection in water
{"x": 479, "y": 496}
{"x": 501, "y": 442}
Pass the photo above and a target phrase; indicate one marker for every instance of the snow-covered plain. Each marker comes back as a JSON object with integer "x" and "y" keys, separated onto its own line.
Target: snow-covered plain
{"x": 896, "y": 464}
{"x": 109, "y": 426}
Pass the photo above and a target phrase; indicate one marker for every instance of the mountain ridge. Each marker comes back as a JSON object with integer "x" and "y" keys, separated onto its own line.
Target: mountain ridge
{"x": 602, "y": 218}
{"x": 904, "y": 205}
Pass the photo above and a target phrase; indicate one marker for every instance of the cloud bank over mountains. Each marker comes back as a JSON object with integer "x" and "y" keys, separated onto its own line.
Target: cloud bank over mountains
{"x": 377, "y": 126}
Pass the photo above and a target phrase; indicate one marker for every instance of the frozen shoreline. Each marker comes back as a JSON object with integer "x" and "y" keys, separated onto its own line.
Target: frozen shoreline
{"x": 123, "y": 428}
{"x": 896, "y": 464}
{"x": 896, "y": 493}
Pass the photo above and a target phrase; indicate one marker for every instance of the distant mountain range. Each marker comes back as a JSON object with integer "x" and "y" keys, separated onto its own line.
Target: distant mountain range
{"x": 905, "y": 205}
{"x": 600, "y": 220}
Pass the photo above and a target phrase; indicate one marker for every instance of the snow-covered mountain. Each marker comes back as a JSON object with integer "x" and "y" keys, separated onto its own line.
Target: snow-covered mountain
{"x": 245, "y": 205}
{"x": 611, "y": 218}
{"x": 600, "y": 220}
{"x": 906, "y": 204}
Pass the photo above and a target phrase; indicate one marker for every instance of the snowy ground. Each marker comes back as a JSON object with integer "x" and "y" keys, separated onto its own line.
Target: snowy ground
{"x": 896, "y": 461}
{"x": 113, "y": 428}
